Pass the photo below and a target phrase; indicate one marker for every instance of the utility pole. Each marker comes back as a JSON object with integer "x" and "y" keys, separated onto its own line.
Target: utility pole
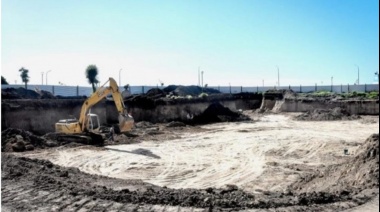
{"x": 358, "y": 74}
{"x": 42, "y": 78}
{"x": 278, "y": 76}
{"x": 119, "y": 77}
{"x": 202, "y": 79}
{"x": 199, "y": 82}
{"x": 47, "y": 76}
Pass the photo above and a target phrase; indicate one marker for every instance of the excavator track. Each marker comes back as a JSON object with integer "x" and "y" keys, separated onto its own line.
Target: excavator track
{"x": 87, "y": 138}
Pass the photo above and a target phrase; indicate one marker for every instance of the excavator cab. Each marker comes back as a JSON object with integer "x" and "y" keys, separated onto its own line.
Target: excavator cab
{"x": 93, "y": 124}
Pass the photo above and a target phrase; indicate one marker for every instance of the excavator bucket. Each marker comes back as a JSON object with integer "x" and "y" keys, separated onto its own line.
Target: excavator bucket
{"x": 126, "y": 123}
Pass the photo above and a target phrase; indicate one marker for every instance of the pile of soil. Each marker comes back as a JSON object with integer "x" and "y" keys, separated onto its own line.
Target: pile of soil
{"x": 358, "y": 174}
{"x": 218, "y": 113}
{"x": 42, "y": 175}
{"x": 192, "y": 90}
{"x": 326, "y": 115}
{"x": 22, "y": 93}
{"x": 17, "y": 140}
{"x": 156, "y": 93}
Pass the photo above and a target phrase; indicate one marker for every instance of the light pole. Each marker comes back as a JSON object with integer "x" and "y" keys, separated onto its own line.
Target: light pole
{"x": 202, "y": 79}
{"x": 47, "y": 76}
{"x": 278, "y": 76}
{"x": 199, "y": 83}
{"x": 358, "y": 73}
{"x": 119, "y": 77}
{"x": 42, "y": 78}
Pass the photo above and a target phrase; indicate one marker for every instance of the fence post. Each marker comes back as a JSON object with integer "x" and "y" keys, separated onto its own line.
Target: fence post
{"x": 77, "y": 90}
{"x": 315, "y": 89}
{"x": 230, "y": 89}
{"x": 257, "y": 89}
{"x": 241, "y": 89}
{"x": 348, "y": 88}
{"x": 53, "y": 89}
{"x": 289, "y": 87}
{"x": 143, "y": 89}
{"x": 300, "y": 89}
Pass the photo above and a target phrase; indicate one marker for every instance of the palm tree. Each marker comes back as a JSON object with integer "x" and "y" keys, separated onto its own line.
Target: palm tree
{"x": 91, "y": 74}
{"x": 24, "y": 76}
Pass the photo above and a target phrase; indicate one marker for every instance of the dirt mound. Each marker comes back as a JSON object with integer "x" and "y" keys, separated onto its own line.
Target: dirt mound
{"x": 42, "y": 175}
{"x": 357, "y": 174}
{"x": 218, "y": 113}
{"x": 17, "y": 140}
{"x": 22, "y": 93}
{"x": 156, "y": 93}
{"x": 326, "y": 115}
{"x": 192, "y": 90}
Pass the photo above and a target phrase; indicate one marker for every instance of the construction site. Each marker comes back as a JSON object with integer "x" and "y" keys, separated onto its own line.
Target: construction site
{"x": 187, "y": 148}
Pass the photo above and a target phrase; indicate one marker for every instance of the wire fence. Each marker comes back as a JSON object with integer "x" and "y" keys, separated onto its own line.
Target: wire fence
{"x": 60, "y": 90}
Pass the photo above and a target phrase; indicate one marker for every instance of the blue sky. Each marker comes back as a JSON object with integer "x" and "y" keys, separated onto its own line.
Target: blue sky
{"x": 237, "y": 42}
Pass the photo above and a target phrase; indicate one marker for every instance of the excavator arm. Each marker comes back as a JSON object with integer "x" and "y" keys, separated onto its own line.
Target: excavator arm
{"x": 125, "y": 121}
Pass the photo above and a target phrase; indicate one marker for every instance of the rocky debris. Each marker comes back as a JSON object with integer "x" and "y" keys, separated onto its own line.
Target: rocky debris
{"x": 22, "y": 93}
{"x": 17, "y": 140}
{"x": 326, "y": 115}
{"x": 218, "y": 113}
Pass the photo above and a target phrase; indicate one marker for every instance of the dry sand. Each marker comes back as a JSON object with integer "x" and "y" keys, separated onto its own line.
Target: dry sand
{"x": 266, "y": 154}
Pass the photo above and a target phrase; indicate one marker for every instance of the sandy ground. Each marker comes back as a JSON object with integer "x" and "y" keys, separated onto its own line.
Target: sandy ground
{"x": 266, "y": 154}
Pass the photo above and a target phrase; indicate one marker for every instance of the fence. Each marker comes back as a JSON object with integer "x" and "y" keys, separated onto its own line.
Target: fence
{"x": 86, "y": 91}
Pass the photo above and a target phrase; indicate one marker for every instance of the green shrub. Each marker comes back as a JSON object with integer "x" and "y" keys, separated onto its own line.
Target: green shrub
{"x": 203, "y": 95}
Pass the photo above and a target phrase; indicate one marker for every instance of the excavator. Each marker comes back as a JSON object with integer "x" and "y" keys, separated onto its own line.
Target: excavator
{"x": 87, "y": 128}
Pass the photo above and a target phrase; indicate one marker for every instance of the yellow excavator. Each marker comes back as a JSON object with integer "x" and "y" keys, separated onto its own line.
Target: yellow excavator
{"x": 87, "y": 128}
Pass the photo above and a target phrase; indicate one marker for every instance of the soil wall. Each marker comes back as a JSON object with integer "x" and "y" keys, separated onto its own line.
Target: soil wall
{"x": 39, "y": 116}
{"x": 359, "y": 107}
{"x": 178, "y": 112}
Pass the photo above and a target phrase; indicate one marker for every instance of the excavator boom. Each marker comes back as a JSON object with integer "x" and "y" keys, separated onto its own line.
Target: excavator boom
{"x": 126, "y": 121}
{"x": 89, "y": 122}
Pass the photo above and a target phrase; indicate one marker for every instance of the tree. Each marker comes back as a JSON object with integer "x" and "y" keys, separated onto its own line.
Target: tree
{"x": 91, "y": 74}
{"x": 24, "y": 76}
{"x": 4, "y": 81}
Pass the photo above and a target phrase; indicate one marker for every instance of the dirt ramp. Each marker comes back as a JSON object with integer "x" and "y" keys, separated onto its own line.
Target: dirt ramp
{"x": 357, "y": 174}
{"x": 326, "y": 115}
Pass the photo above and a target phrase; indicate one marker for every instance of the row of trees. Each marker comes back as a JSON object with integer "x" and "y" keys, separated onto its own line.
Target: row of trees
{"x": 91, "y": 75}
